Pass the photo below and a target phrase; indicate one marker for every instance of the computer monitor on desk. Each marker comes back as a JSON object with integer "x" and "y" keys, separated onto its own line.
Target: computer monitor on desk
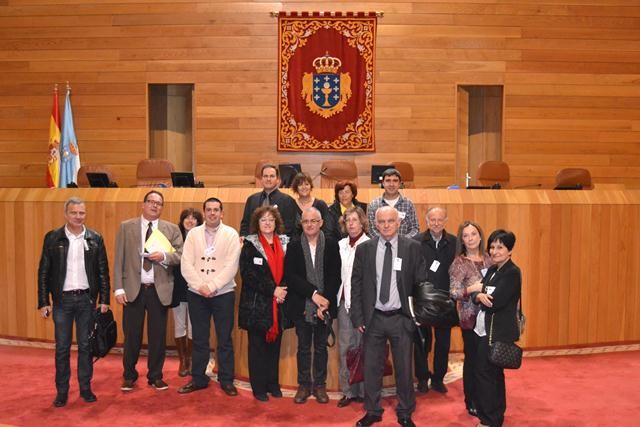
{"x": 495, "y": 186}
{"x": 287, "y": 172}
{"x": 182, "y": 179}
{"x": 99, "y": 180}
{"x": 376, "y": 173}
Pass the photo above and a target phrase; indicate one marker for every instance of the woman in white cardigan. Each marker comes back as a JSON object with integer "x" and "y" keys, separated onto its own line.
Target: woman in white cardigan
{"x": 354, "y": 222}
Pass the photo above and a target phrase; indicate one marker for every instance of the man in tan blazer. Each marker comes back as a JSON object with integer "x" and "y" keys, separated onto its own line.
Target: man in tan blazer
{"x": 143, "y": 283}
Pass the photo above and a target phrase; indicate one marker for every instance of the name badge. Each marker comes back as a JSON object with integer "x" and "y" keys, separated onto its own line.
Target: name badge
{"x": 257, "y": 260}
{"x": 434, "y": 265}
{"x": 483, "y": 272}
{"x": 490, "y": 289}
{"x": 402, "y": 215}
{"x": 209, "y": 251}
{"x": 397, "y": 264}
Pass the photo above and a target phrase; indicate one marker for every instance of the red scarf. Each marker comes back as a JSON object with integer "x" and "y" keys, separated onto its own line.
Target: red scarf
{"x": 275, "y": 259}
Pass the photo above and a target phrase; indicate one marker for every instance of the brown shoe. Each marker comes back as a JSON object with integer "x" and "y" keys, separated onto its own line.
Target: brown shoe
{"x": 302, "y": 395}
{"x": 189, "y": 387}
{"x": 229, "y": 389}
{"x": 321, "y": 395}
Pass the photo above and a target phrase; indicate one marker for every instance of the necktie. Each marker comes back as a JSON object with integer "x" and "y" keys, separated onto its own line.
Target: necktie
{"x": 265, "y": 202}
{"x": 385, "y": 282}
{"x": 146, "y": 264}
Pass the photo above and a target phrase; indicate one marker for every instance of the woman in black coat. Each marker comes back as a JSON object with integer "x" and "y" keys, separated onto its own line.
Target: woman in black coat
{"x": 345, "y": 197}
{"x": 501, "y": 287}
{"x": 261, "y": 297}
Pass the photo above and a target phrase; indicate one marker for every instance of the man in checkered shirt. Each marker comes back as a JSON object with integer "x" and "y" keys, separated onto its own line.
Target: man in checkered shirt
{"x": 391, "y": 181}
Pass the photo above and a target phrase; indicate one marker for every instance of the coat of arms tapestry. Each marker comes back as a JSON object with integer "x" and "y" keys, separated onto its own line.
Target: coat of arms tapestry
{"x": 326, "y": 81}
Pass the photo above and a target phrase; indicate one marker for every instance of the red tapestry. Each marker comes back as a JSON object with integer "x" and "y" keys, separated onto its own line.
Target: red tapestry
{"x": 326, "y": 81}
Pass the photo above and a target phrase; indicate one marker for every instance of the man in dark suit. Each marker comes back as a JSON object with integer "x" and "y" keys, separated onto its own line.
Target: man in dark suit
{"x": 75, "y": 271}
{"x": 439, "y": 250}
{"x": 385, "y": 271}
{"x": 270, "y": 196}
{"x": 143, "y": 283}
{"x": 312, "y": 274}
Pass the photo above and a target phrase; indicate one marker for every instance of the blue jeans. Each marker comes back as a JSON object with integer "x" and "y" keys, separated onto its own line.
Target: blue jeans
{"x": 201, "y": 310}
{"x": 79, "y": 308}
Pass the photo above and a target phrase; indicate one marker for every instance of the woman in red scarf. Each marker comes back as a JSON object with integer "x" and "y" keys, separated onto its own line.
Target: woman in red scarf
{"x": 261, "y": 298}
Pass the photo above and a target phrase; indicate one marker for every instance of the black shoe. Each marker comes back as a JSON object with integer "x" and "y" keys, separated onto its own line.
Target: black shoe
{"x": 229, "y": 389}
{"x": 472, "y": 411}
{"x": 439, "y": 387}
{"x": 127, "y": 385}
{"x": 423, "y": 386}
{"x": 159, "y": 384}
{"x": 262, "y": 397}
{"x": 368, "y": 420}
{"x": 276, "y": 392}
{"x": 60, "y": 400}
{"x": 189, "y": 387}
{"x": 406, "y": 422}
{"x": 344, "y": 401}
{"x": 88, "y": 396}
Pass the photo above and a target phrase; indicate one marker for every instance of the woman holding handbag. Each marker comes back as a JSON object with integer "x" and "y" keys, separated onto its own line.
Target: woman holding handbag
{"x": 466, "y": 273}
{"x": 497, "y": 321}
{"x": 354, "y": 223}
{"x": 263, "y": 292}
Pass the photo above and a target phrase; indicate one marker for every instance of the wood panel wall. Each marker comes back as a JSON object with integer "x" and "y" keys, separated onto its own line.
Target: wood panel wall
{"x": 570, "y": 70}
{"x": 577, "y": 251}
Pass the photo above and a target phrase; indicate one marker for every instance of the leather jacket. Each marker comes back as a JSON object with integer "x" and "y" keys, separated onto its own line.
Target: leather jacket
{"x": 53, "y": 266}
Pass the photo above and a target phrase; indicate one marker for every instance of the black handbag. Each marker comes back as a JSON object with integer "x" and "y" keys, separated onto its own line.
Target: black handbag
{"x": 506, "y": 355}
{"x": 434, "y": 307}
{"x": 103, "y": 334}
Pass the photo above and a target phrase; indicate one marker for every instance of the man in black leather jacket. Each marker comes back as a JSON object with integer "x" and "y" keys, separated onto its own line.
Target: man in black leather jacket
{"x": 75, "y": 271}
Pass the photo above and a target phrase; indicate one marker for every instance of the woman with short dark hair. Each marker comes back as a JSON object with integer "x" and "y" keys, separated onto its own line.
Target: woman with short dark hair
{"x": 499, "y": 298}
{"x": 345, "y": 193}
{"x": 302, "y": 186}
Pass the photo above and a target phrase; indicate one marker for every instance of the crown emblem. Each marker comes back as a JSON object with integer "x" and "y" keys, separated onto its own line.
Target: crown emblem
{"x": 326, "y": 64}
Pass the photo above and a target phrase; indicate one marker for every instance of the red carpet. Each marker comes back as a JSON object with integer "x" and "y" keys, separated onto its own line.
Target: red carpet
{"x": 591, "y": 390}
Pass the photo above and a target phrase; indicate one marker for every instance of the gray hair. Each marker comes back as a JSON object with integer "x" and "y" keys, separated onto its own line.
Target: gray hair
{"x": 433, "y": 208}
{"x": 312, "y": 209}
{"x": 74, "y": 200}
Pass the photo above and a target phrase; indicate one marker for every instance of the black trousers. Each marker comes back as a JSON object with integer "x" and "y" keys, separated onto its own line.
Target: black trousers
{"x": 317, "y": 335}
{"x": 440, "y": 354}
{"x": 398, "y": 330}
{"x": 202, "y": 310}
{"x": 264, "y": 362}
{"x": 491, "y": 398}
{"x": 470, "y": 340}
{"x": 133, "y": 326}
{"x": 70, "y": 308}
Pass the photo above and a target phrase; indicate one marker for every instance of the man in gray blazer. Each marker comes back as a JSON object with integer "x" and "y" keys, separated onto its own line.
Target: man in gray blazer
{"x": 385, "y": 271}
{"x": 143, "y": 283}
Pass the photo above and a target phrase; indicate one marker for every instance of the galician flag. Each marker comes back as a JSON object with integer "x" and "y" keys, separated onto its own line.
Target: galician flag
{"x": 69, "y": 153}
{"x": 53, "y": 161}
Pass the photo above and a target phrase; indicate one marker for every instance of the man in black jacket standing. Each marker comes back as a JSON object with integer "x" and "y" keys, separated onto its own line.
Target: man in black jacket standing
{"x": 270, "y": 196}
{"x": 75, "y": 271}
{"x": 439, "y": 250}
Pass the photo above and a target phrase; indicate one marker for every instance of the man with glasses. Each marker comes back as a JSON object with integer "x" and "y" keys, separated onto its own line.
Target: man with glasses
{"x": 385, "y": 271}
{"x": 146, "y": 250}
{"x": 270, "y": 196}
{"x": 75, "y": 271}
{"x": 391, "y": 182}
{"x": 438, "y": 250}
{"x": 312, "y": 273}
{"x": 209, "y": 265}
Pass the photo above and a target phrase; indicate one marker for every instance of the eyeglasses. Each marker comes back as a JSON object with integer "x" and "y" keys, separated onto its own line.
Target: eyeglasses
{"x": 310, "y": 221}
{"x": 267, "y": 220}
{"x": 154, "y": 202}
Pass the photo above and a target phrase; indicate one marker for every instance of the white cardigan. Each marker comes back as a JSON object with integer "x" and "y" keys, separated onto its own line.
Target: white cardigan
{"x": 217, "y": 270}
{"x": 347, "y": 255}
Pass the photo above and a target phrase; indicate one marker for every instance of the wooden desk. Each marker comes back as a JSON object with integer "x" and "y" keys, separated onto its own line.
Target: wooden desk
{"x": 578, "y": 251}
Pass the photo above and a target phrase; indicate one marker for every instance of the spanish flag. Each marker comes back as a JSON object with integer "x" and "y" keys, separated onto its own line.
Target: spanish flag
{"x": 53, "y": 162}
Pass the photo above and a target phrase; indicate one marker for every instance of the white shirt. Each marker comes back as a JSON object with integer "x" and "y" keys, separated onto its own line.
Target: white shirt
{"x": 347, "y": 255}
{"x": 146, "y": 276}
{"x": 76, "y": 277}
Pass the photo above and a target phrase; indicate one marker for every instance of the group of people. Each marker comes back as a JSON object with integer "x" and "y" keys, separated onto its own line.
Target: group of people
{"x": 303, "y": 264}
